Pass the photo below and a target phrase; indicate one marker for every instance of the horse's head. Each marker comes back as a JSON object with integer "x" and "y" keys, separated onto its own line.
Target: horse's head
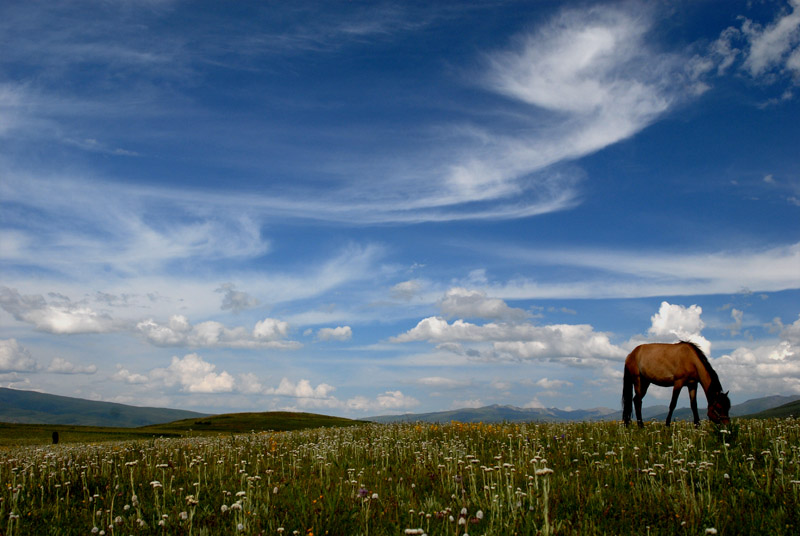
{"x": 719, "y": 408}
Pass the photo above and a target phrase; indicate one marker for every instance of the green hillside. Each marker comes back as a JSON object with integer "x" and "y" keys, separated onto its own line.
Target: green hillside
{"x": 30, "y": 407}
{"x": 234, "y": 423}
{"x": 792, "y": 409}
{"x": 250, "y": 422}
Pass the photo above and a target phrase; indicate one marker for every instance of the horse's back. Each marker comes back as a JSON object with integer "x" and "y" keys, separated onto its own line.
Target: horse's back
{"x": 661, "y": 362}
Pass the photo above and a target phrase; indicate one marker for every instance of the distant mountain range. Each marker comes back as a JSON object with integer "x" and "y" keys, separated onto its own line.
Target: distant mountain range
{"x": 39, "y": 408}
{"x": 30, "y": 407}
{"x": 498, "y": 413}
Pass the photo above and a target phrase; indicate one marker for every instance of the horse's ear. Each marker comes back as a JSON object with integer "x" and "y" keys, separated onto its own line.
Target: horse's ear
{"x": 726, "y": 392}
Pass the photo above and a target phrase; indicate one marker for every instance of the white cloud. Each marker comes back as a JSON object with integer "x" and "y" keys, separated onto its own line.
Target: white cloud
{"x": 534, "y": 404}
{"x": 59, "y": 315}
{"x": 791, "y": 333}
{"x": 124, "y": 375}
{"x": 340, "y": 333}
{"x": 465, "y": 303}
{"x": 59, "y": 365}
{"x": 676, "y": 322}
{"x": 738, "y": 317}
{"x": 301, "y": 389}
{"x": 15, "y": 358}
{"x": 194, "y": 375}
{"x": 267, "y": 333}
{"x": 359, "y": 403}
{"x": 771, "y": 368}
{"x": 641, "y": 273}
{"x": 546, "y": 383}
{"x": 775, "y": 44}
{"x": 769, "y": 53}
{"x": 249, "y": 384}
{"x": 518, "y": 341}
{"x": 396, "y": 400}
{"x": 407, "y": 290}
{"x": 13, "y": 380}
{"x": 271, "y": 329}
{"x": 440, "y": 382}
{"x": 594, "y": 70}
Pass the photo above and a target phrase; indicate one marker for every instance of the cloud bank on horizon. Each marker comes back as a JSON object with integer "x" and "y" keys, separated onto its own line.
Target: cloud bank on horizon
{"x": 381, "y": 207}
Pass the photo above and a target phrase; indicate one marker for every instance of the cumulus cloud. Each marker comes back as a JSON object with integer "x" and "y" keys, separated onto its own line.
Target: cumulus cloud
{"x": 341, "y": 333}
{"x": 235, "y": 300}
{"x": 301, "y": 389}
{"x": 126, "y": 376}
{"x": 791, "y": 333}
{"x": 270, "y": 329}
{"x": 518, "y": 341}
{"x": 59, "y": 365}
{"x": 60, "y": 315}
{"x": 406, "y": 290}
{"x": 267, "y": 333}
{"x": 546, "y": 383}
{"x": 534, "y": 404}
{"x": 15, "y": 358}
{"x": 396, "y": 400}
{"x": 766, "y": 367}
{"x": 464, "y": 303}
{"x": 193, "y": 375}
{"x": 677, "y": 322}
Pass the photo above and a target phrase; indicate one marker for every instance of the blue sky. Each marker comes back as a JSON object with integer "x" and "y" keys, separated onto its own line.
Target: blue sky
{"x": 362, "y": 208}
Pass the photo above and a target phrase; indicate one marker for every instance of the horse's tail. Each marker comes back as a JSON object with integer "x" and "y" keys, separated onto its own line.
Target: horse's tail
{"x": 627, "y": 397}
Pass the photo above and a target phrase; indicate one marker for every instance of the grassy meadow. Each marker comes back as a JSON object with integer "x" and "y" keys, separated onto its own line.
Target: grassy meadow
{"x": 455, "y": 479}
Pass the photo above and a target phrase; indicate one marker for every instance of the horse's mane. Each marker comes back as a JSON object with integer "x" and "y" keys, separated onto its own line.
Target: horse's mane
{"x": 716, "y": 386}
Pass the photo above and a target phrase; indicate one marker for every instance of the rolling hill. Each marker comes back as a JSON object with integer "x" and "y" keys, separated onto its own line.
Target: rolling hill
{"x": 792, "y": 409}
{"x": 39, "y": 408}
{"x": 497, "y": 413}
{"x": 750, "y": 408}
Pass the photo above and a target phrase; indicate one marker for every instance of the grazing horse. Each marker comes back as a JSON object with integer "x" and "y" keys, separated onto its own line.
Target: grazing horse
{"x": 675, "y": 365}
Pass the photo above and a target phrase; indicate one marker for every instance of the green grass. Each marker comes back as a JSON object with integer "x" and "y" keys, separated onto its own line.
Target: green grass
{"x": 577, "y": 478}
{"x": 41, "y": 434}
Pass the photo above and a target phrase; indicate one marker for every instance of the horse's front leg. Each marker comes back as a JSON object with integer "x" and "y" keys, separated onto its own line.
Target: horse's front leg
{"x": 693, "y": 401}
{"x": 676, "y": 390}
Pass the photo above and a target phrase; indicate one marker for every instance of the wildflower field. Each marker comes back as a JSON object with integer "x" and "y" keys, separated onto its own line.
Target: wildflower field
{"x": 455, "y": 479}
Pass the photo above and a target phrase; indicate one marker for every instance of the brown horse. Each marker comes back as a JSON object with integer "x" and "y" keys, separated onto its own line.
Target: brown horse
{"x": 675, "y": 365}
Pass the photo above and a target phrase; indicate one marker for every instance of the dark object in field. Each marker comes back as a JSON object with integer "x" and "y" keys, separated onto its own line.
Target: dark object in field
{"x": 675, "y": 365}
{"x": 55, "y": 438}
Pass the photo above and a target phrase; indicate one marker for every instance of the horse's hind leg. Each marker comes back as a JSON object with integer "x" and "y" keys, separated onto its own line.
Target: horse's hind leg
{"x": 674, "y": 402}
{"x": 641, "y": 389}
{"x": 693, "y": 401}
